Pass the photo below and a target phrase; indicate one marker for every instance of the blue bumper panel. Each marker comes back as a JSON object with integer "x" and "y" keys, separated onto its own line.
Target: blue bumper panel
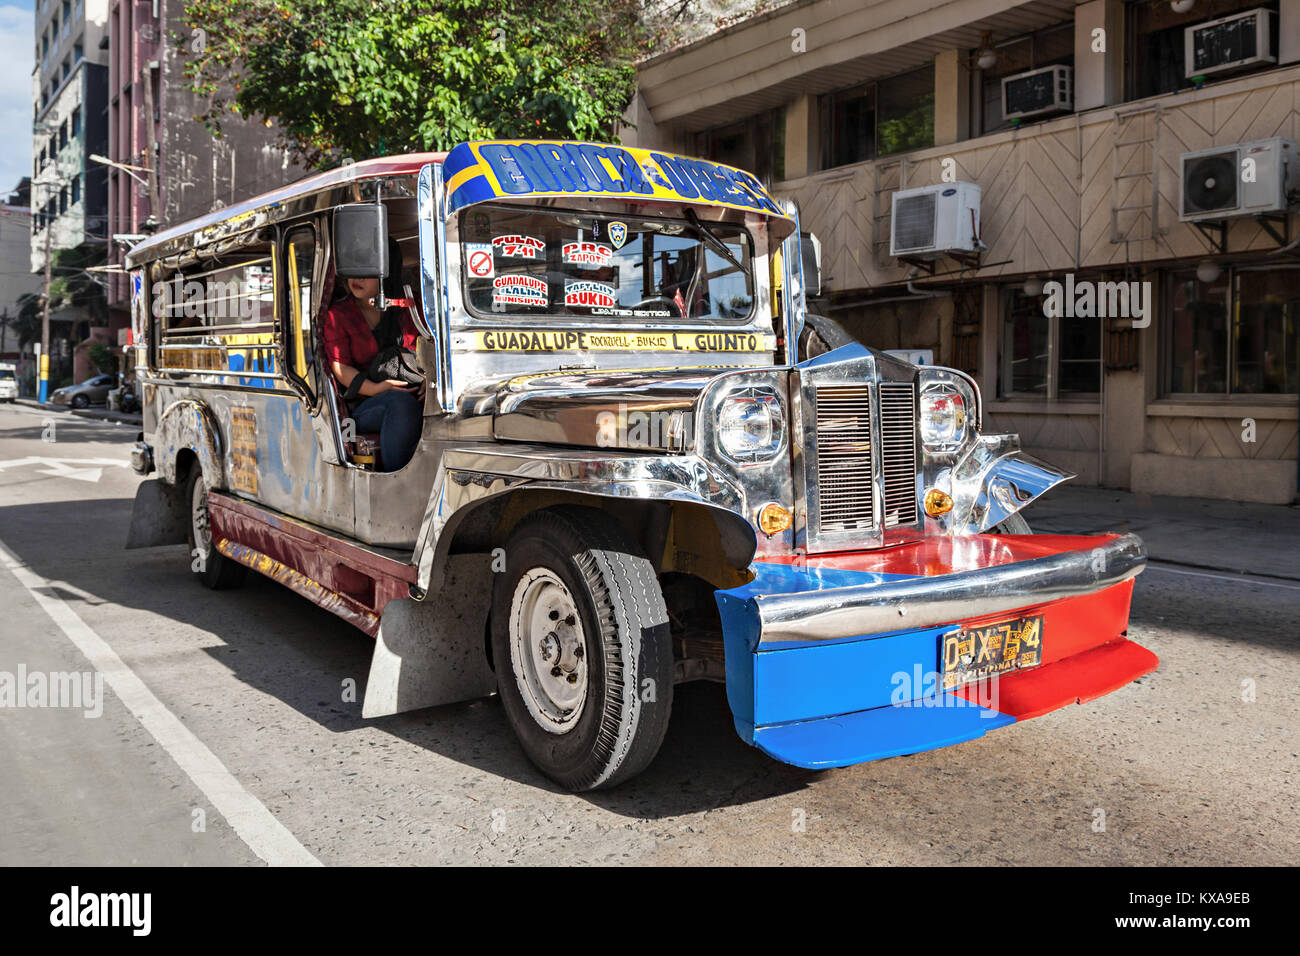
{"x": 875, "y": 734}
{"x": 835, "y": 703}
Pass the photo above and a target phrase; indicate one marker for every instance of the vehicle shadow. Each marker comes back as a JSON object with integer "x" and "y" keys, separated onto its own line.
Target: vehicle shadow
{"x": 288, "y": 648}
{"x": 283, "y": 645}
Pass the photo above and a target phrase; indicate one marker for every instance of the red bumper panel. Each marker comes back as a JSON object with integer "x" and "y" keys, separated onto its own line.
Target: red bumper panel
{"x": 1072, "y": 680}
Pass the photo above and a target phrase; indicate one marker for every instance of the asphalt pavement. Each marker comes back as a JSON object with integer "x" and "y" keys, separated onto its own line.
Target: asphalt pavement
{"x": 228, "y": 735}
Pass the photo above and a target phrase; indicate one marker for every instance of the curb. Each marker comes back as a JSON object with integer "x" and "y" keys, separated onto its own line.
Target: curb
{"x": 92, "y": 414}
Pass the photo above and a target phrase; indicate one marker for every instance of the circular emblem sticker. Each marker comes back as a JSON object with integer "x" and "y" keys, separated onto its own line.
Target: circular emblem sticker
{"x": 479, "y": 260}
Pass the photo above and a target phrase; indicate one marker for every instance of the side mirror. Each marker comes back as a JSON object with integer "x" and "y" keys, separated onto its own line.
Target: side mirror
{"x": 810, "y": 248}
{"x": 361, "y": 241}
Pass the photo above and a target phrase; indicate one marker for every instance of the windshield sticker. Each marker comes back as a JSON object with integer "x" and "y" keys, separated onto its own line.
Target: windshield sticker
{"x": 518, "y": 247}
{"x": 587, "y": 254}
{"x": 586, "y": 295}
{"x": 565, "y": 340}
{"x": 519, "y": 290}
{"x": 617, "y": 233}
{"x": 478, "y": 260}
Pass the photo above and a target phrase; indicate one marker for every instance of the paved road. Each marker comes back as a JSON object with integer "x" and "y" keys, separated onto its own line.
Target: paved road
{"x": 1185, "y": 770}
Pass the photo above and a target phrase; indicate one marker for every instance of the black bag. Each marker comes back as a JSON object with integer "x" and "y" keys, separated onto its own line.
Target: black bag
{"x": 391, "y": 361}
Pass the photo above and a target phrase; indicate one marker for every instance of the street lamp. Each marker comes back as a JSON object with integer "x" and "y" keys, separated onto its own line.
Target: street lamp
{"x": 125, "y": 167}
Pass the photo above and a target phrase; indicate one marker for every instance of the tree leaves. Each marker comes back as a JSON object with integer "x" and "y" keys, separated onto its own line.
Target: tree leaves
{"x": 357, "y": 77}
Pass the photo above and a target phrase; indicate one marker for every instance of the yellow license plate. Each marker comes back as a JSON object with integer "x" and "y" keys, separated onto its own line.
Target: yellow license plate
{"x": 976, "y": 653}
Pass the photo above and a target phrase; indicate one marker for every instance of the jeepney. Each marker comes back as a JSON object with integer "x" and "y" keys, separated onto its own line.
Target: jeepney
{"x": 629, "y": 475}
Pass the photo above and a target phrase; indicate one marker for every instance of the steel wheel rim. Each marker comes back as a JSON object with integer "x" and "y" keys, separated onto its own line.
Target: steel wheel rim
{"x": 548, "y": 651}
{"x": 199, "y": 519}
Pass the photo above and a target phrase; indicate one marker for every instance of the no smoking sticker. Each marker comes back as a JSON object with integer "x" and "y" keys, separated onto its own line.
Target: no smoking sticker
{"x": 478, "y": 260}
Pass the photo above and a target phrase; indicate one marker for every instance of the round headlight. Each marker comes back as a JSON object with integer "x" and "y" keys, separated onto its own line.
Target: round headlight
{"x": 750, "y": 426}
{"x": 943, "y": 417}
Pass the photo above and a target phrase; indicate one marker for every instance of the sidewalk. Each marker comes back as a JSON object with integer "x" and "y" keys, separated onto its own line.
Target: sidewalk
{"x": 95, "y": 414}
{"x": 1198, "y": 532}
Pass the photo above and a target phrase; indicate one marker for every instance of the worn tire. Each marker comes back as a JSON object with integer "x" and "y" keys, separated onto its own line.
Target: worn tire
{"x": 80, "y": 401}
{"x": 1012, "y": 524}
{"x": 582, "y": 555}
{"x": 215, "y": 570}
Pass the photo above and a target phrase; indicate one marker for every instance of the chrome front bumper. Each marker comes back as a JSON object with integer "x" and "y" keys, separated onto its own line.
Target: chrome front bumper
{"x": 920, "y": 602}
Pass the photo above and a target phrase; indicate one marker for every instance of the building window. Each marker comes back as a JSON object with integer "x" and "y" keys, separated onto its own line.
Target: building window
{"x": 1156, "y": 48}
{"x": 76, "y": 189}
{"x": 63, "y": 134}
{"x": 756, "y": 145}
{"x": 76, "y": 122}
{"x": 1237, "y": 335}
{"x": 63, "y": 200}
{"x": 1053, "y": 358}
{"x": 891, "y": 116}
{"x": 1049, "y": 47}
{"x": 78, "y": 53}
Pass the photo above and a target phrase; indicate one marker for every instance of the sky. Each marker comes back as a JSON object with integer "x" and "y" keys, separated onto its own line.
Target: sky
{"x": 16, "y": 51}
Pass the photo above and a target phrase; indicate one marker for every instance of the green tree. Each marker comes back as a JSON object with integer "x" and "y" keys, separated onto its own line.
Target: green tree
{"x": 361, "y": 78}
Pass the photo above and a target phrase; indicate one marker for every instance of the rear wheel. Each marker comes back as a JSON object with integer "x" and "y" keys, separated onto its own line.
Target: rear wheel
{"x": 209, "y": 565}
{"x": 581, "y": 642}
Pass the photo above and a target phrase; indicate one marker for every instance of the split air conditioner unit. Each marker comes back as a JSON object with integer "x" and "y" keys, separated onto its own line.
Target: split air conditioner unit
{"x": 1038, "y": 92}
{"x": 933, "y": 221}
{"x": 1234, "y": 42}
{"x": 1245, "y": 179}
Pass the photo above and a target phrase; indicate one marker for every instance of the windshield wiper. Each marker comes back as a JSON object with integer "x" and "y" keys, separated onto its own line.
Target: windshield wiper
{"x": 711, "y": 239}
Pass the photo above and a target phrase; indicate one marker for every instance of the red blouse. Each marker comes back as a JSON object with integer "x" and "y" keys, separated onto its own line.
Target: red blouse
{"x": 348, "y": 339}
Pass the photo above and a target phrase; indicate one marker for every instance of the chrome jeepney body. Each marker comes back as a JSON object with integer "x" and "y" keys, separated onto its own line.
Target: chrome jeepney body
{"x": 842, "y": 552}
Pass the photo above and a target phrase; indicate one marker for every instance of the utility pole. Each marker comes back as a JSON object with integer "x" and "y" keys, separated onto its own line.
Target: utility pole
{"x": 44, "y": 370}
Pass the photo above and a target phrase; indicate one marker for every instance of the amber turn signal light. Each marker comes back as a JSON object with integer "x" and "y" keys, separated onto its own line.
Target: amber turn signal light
{"x": 772, "y": 518}
{"x": 937, "y": 503}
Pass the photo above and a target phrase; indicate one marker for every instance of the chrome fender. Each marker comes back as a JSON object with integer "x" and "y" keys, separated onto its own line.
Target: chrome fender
{"x": 994, "y": 480}
{"x": 468, "y": 475}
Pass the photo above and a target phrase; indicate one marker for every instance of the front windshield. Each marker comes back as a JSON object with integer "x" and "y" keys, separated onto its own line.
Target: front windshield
{"x": 6, "y": 373}
{"x": 556, "y": 263}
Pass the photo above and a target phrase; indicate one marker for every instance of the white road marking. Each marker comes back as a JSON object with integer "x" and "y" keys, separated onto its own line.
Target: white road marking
{"x": 62, "y": 467}
{"x": 1246, "y": 578}
{"x": 256, "y": 825}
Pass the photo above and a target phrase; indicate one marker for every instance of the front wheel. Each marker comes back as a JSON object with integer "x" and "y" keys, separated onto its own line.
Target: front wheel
{"x": 209, "y": 565}
{"x": 80, "y": 401}
{"x": 1012, "y": 524}
{"x": 581, "y": 642}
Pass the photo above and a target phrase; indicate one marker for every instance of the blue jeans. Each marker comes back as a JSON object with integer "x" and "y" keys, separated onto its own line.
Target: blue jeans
{"x": 397, "y": 417}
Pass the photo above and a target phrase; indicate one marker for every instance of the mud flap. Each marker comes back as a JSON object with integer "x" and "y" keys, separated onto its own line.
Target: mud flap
{"x": 432, "y": 652}
{"x": 158, "y": 517}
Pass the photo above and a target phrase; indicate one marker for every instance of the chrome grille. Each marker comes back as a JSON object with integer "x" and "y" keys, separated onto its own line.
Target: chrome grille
{"x": 844, "y": 478}
{"x": 898, "y": 451}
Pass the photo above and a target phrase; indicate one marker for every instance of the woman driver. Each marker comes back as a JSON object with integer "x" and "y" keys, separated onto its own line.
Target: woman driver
{"x": 390, "y": 407}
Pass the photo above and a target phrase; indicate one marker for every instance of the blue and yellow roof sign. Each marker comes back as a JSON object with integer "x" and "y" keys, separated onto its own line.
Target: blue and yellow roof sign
{"x": 515, "y": 169}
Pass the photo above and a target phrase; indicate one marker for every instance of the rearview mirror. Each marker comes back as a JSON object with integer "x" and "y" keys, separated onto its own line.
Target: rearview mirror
{"x": 361, "y": 241}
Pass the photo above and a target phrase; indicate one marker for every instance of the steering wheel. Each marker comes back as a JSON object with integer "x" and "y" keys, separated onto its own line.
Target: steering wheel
{"x": 658, "y": 298}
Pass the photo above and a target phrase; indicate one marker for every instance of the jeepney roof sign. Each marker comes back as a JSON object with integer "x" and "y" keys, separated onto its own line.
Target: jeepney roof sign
{"x": 516, "y": 169}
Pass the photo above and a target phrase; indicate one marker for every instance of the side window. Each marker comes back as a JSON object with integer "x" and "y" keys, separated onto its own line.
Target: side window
{"x": 218, "y": 314}
{"x": 233, "y": 292}
{"x": 299, "y": 271}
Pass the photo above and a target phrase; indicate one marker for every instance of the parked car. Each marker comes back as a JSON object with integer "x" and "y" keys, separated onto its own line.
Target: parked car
{"x": 8, "y": 382}
{"x": 93, "y": 391}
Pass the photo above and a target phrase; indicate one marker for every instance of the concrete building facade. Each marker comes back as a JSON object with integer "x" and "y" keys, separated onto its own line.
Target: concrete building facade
{"x": 839, "y": 104}
{"x": 180, "y": 170}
